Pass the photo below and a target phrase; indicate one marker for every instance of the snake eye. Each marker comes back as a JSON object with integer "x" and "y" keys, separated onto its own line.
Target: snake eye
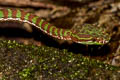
{"x": 97, "y": 40}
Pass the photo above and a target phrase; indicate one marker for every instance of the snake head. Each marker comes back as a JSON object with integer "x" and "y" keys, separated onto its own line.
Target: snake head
{"x": 90, "y": 35}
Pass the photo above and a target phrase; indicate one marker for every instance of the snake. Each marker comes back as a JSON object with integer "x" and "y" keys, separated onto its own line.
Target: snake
{"x": 86, "y": 35}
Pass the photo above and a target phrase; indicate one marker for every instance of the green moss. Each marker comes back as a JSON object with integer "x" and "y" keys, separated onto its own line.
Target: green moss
{"x": 32, "y": 63}
{"x": 27, "y": 73}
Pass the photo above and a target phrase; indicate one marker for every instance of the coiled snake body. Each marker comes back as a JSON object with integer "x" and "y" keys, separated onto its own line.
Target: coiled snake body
{"x": 65, "y": 34}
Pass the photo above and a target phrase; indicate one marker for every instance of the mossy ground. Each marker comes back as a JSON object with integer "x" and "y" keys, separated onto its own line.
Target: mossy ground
{"x": 21, "y": 62}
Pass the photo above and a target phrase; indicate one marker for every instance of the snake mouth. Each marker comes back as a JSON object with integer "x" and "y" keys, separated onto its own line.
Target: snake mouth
{"x": 101, "y": 40}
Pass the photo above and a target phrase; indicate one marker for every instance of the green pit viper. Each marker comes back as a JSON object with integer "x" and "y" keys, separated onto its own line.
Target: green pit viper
{"x": 86, "y": 35}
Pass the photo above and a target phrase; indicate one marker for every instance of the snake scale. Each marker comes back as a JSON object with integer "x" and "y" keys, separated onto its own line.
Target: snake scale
{"x": 49, "y": 29}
